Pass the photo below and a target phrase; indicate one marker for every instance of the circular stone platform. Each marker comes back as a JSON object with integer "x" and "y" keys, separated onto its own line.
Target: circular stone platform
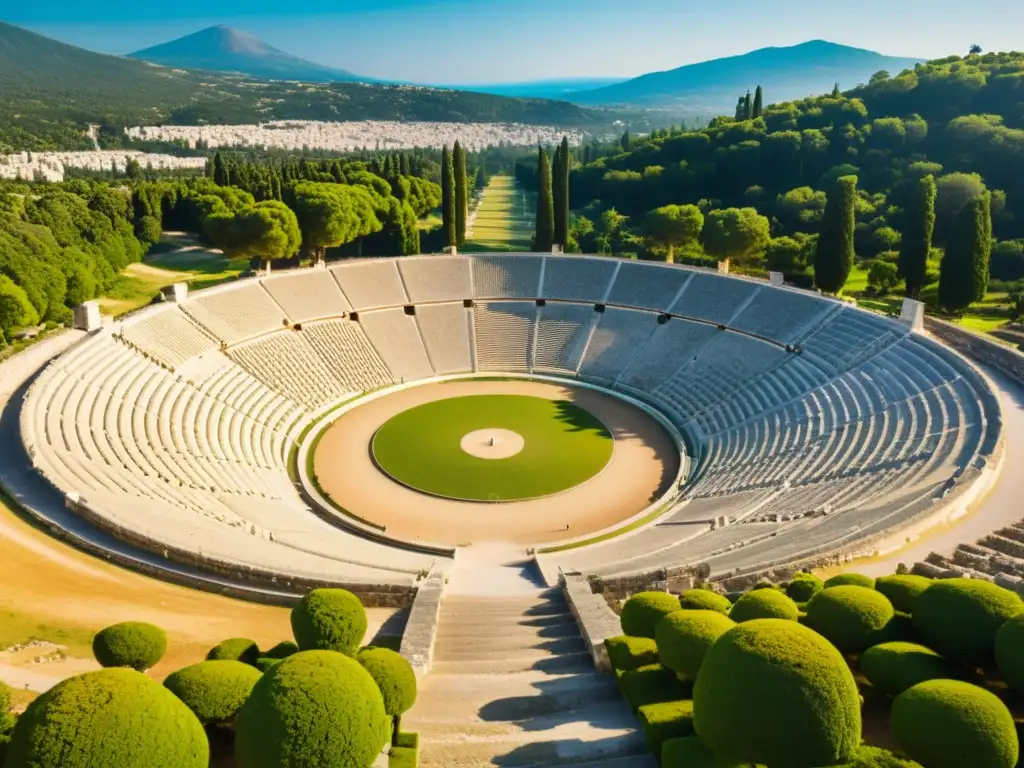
{"x": 492, "y": 443}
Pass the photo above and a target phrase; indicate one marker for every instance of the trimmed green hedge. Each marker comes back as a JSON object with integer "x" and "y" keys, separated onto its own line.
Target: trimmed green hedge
{"x": 764, "y": 604}
{"x": 803, "y": 586}
{"x": 902, "y": 589}
{"x": 393, "y": 675}
{"x": 685, "y": 636}
{"x": 282, "y": 650}
{"x": 894, "y": 667}
{"x": 1009, "y": 650}
{"x": 133, "y": 644}
{"x": 236, "y": 649}
{"x": 406, "y": 751}
{"x": 704, "y": 600}
{"x": 773, "y": 691}
{"x": 313, "y": 708}
{"x": 691, "y": 752}
{"x": 942, "y": 723}
{"x": 642, "y": 612}
{"x": 873, "y": 757}
{"x": 901, "y": 628}
{"x": 112, "y": 718}
{"x": 667, "y": 720}
{"x": 849, "y": 580}
{"x": 959, "y": 618}
{"x": 652, "y": 685}
{"x": 213, "y": 690}
{"x": 851, "y": 618}
{"x": 329, "y": 620}
{"x": 626, "y": 653}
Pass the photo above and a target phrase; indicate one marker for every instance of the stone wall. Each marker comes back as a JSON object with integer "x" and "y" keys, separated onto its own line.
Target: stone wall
{"x": 595, "y": 619}
{"x": 1004, "y": 359}
{"x": 421, "y": 628}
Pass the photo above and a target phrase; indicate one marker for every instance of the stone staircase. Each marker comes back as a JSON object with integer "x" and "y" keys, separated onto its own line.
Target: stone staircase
{"x": 513, "y": 685}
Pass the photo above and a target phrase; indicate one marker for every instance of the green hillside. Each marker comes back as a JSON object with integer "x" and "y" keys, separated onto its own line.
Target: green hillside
{"x": 50, "y": 92}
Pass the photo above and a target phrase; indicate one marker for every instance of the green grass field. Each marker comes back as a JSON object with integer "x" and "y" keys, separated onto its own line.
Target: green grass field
{"x": 504, "y": 219}
{"x": 564, "y": 445}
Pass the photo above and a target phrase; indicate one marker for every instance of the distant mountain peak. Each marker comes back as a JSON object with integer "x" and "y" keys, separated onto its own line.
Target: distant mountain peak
{"x": 227, "y": 49}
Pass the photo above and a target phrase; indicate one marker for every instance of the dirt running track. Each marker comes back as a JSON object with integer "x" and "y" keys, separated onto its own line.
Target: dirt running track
{"x": 644, "y": 463}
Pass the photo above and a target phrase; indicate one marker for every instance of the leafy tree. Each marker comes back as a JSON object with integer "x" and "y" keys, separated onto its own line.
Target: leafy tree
{"x": 673, "y": 226}
{"x": 883, "y": 277}
{"x": 221, "y": 175}
{"x": 461, "y": 193}
{"x": 267, "y": 230}
{"x": 330, "y": 215}
{"x": 758, "y": 107}
{"x": 448, "y": 199}
{"x": 953, "y": 192}
{"x": 833, "y": 259}
{"x": 560, "y": 185}
{"x": 15, "y": 308}
{"x": 975, "y": 50}
{"x": 916, "y": 245}
{"x": 738, "y": 234}
{"x": 789, "y": 255}
{"x": 963, "y": 277}
{"x": 545, "y": 230}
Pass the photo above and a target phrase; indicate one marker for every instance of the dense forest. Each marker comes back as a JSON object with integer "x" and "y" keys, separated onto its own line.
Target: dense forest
{"x": 62, "y": 244}
{"x": 760, "y": 180}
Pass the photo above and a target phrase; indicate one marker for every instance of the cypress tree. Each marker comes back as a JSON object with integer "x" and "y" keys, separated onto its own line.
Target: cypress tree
{"x": 447, "y": 197}
{"x": 758, "y": 102}
{"x": 917, "y": 237}
{"x": 560, "y": 187}
{"x": 833, "y": 259}
{"x": 545, "y": 232}
{"x": 221, "y": 175}
{"x": 963, "y": 276}
{"x": 748, "y": 107}
{"x": 836, "y": 93}
{"x": 461, "y": 194}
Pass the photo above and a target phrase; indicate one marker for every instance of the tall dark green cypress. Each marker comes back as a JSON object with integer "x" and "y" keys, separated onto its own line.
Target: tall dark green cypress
{"x": 560, "y": 189}
{"x": 447, "y": 197}
{"x": 963, "y": 276}
{"x": 748, "y": 107}
{"x": 545, "y": 231}
{"x": 221, "y": 174}
{"x": 833, "y": 259}
{"x": 461, "y": 194}
{"x": 917, "y": 237}
{"x": 758, "y": 103}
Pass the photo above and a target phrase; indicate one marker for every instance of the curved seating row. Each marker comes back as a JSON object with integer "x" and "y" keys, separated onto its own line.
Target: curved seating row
{"x": 183, "y": 416}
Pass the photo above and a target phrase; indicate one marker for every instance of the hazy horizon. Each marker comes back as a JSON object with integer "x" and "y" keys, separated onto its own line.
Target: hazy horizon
{"x": 511, "y": 41}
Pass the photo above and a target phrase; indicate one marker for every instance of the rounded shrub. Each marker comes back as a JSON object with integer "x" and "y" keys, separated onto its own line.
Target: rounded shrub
{"x": 133, "y": 644}
{"x": 685, "y": 636}
{"x": 393, "y": 675}
{"x": 236, "y": 649}
{"x": 941, "y": 722}
{"x": 111, "y": 718}
{"x": 764, "y": 604}
{"x": 213, "y": 690}
{"x": 691, "y": 752}
{"x": 1009, "y": 649}
{"x": 313, "y": 708}
{"x": 852, "y": 618}
{"x": 642, "y": 612}
{"x": 704, "y": 600}
{"x": 329, "y": 620}
{"x": 803, "y": 586}
{"x": 959, "y": 618}
{"x": 849, "y": 580}
{"x": 894, "y": 667}
{"x": 874, "y": 757}
{"x": 775, "y": 692}
{"x": 902, "y": 589}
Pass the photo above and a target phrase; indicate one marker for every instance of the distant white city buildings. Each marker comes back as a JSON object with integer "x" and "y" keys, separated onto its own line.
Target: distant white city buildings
{"x": 356, "y": 135}
{"x": 52, "y": 165}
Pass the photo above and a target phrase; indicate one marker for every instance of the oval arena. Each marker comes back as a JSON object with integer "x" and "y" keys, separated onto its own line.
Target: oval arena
{"x": 748, "y": 425}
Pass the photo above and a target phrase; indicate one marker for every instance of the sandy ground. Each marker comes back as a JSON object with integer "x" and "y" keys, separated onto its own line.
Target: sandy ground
{"x": 51, "y": 586}
{"x": 643, "y": 464}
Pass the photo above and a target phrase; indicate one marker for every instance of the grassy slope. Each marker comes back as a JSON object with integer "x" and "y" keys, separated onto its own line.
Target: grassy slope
{"x": 565, "y": 445}
{"x": 504, "y": 219}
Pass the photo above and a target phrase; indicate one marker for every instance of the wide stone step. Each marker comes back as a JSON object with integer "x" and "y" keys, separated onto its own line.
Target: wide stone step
{"x": 599, "y": 732}
{"x": 494, "y": 698}
{"x": 512, "y": 620}
{"x": 565, "y": 664}
{"x": 454, "y": 607}
{"x": 503, "y": 635}
{"x": 474, "y": 650}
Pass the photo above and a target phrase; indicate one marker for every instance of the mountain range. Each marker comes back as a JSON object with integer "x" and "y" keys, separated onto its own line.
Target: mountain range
{"x": 714, "y": 86}
{"x": 224, "y": 49}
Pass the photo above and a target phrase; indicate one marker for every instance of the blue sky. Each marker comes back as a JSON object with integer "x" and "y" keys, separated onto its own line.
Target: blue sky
{"x": 490, "y": 41}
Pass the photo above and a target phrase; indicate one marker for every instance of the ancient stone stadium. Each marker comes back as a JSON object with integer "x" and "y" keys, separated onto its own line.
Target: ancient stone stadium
{"x": 504, "y": 447}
